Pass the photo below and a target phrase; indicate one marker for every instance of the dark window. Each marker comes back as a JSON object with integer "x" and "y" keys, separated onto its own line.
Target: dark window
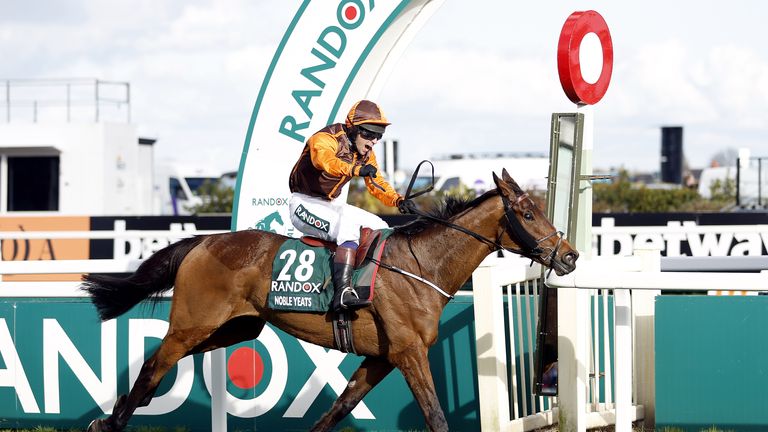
{"x": 451, "y": 183}
{"x": 33, "y": 183}
{"x": 176, "y": 190}
{"x": 195, "y": 183}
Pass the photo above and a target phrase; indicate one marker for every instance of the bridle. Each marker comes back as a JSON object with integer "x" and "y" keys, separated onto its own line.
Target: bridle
{"x": 530, "y": 247}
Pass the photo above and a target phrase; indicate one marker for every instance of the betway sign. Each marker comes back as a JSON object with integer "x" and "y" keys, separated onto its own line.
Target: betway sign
{"x": 60, "y": 367}
{"x": 680, "y": 238}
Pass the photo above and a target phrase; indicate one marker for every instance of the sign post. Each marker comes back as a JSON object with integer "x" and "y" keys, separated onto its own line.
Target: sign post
{"x": 573, "y": 305}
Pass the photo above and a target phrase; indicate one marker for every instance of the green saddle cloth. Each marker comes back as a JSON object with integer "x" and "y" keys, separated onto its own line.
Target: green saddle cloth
{"x": 302, "y": 275}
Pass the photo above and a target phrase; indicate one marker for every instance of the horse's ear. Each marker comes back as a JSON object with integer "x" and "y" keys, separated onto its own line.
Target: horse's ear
{"x": 508, "y": 178}
{"x": 511, "y": 183}
{"x": 503, "y": 186}
{"x": 496, "y": 179}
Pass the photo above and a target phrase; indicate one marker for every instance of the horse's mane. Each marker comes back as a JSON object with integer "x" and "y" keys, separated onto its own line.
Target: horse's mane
{"x": 445, "y": 210}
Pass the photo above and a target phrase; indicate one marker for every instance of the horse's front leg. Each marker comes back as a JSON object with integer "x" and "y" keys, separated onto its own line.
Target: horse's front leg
{"x": 366, "y": 377}
{"x": 414, "y": 365}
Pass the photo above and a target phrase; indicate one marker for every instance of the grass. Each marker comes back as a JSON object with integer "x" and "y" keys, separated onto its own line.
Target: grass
{"x": 637, "y": 427}
{"x": 130, "y": 429}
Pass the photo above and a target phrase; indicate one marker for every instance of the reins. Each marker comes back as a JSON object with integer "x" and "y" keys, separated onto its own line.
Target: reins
{"x": 529, "y": 242}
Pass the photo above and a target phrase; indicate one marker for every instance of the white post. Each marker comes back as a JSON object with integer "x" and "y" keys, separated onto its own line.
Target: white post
{"x": 643, "y": 315}
{"x": 219, "y": 390}
{"x": 573, "y": 359}
{"x": 573, "y": 307}
{"x": 622, "y": 337}
{"x": 491, "y": 349}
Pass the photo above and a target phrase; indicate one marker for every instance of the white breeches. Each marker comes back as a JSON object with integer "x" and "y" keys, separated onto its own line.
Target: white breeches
{"x": 330, "y": 220}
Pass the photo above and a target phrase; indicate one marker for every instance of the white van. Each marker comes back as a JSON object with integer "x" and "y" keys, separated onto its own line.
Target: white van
{"x": 475, "y": 170}
{"x": 177, "y": 186}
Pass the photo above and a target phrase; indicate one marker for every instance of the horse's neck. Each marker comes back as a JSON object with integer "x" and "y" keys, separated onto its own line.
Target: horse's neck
{"x": 458, "y": 254}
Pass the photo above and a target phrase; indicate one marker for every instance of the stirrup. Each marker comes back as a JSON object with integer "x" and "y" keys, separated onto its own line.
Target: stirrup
{"x": 356, "y": 303}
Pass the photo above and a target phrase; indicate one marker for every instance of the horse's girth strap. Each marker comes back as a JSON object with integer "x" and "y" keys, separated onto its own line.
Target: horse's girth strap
{"x": 342, "y": 333}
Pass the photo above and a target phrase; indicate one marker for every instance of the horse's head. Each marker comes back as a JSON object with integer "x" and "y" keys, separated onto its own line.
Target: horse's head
{"x": 530, "y": 231}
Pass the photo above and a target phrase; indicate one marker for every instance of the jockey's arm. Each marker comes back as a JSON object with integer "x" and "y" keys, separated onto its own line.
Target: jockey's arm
{"x": 323, "y": 147}
{"x": 388, "y": 196}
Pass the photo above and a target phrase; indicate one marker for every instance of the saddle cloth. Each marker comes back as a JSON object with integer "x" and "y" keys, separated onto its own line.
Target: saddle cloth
{"x": 302, "y": 275}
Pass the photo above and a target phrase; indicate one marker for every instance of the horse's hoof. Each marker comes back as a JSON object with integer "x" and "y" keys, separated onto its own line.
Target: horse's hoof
{"x": 96, "y": 426}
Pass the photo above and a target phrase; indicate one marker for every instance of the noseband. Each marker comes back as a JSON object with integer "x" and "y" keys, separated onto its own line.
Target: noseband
{"x": 530, "y": 246}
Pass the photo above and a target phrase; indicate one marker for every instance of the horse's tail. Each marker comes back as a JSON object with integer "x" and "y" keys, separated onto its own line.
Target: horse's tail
{"x": 114, "y": 296}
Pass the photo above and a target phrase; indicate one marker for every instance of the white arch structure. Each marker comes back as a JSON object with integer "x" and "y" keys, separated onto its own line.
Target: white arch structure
{"x": 332, "y": 54}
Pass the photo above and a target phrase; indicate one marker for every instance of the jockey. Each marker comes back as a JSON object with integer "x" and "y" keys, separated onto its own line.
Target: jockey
{"x": 331, "y": 157}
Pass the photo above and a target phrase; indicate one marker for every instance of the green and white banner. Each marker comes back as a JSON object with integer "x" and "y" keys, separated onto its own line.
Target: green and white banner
{"x": 60, "y": 367}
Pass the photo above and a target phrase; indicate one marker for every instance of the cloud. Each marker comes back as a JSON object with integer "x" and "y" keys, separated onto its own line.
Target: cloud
{"x": 196, "y": 66}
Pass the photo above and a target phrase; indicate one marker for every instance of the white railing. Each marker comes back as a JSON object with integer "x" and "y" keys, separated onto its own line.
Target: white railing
{"x": 627, "y": 392}
{"x": 498, "y": 382}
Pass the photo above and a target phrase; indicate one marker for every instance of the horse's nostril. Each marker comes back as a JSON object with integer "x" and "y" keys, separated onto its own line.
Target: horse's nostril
{"x": 570, "y": 258}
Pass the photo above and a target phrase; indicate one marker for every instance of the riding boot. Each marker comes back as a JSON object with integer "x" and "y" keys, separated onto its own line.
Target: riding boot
{"x": 345, "y": 297}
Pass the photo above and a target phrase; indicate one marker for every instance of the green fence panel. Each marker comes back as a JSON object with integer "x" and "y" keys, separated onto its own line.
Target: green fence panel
{"x": 711, "y": 363}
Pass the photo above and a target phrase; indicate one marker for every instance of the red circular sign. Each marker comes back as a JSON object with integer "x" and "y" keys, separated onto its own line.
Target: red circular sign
{"x": 578, "y": 25}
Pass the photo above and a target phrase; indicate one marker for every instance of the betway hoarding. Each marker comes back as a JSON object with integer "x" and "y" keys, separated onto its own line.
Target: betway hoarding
{"x": 681, "y": 234}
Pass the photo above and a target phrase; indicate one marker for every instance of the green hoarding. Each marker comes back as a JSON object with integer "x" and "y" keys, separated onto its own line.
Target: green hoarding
{"x": 711, "y": 363}
{"x": 59, "y": 366}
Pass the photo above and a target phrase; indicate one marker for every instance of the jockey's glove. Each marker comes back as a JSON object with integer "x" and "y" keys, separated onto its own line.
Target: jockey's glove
{"x": 406, "y": 206}
{"x": 367, "y": 170}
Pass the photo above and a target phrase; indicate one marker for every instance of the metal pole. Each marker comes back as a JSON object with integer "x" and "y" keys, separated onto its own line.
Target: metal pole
{"x": 96, "y": 95}
{"x": 69, "y": 100}
{"x": 128, "y": 99}
{"x": 8, "y": 101}
{"x": 759, "y": 181}
{"x": 219, "y": 390}
{"x": 738, "y": 182}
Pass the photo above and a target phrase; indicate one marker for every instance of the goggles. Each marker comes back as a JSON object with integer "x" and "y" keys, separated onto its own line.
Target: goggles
{"x": 369, "y": 135}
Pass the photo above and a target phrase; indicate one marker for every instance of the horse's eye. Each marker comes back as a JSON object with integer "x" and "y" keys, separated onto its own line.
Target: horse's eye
{"x": 528, "y": 216}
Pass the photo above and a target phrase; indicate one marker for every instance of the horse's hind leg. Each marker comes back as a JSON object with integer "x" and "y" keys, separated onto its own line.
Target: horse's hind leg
{"x": 172, "y": 349}
{"x": 370, "y": 373}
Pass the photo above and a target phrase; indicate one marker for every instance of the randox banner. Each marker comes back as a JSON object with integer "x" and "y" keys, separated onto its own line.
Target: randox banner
{"x": 333, "y": 54}
{"x": 60, "y": 367}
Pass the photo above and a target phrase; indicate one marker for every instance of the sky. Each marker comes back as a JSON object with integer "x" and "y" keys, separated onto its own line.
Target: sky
{"x": 480, "y": 76}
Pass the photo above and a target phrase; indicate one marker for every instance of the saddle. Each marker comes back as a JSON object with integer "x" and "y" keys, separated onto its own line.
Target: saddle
{"x": 369, "y": 239}
{"x": 342, "y": 325}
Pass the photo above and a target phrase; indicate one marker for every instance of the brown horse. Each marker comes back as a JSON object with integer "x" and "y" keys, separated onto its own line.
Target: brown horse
{"x": 222, "y": 281}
